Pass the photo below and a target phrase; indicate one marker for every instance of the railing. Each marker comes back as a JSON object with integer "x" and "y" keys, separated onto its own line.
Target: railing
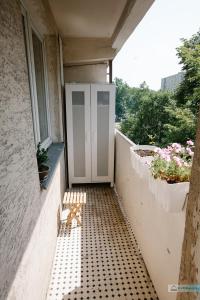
{"x": 158, "y": 232}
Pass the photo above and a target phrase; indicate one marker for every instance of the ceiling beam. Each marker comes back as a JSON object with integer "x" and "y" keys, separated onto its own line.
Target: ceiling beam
{"x": 133, "y": 13}
{"x": 125, "y": 13}
{"x": 85, "y": 50}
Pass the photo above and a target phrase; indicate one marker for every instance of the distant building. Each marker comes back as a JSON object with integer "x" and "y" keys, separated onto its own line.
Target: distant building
{"x": 170, "y": 83}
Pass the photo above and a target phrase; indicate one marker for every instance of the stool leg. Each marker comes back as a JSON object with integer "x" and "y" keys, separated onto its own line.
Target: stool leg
{"x": 73, "y": 214}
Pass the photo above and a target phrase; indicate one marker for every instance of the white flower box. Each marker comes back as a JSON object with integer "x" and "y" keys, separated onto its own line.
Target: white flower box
{"x": 171, "y": 197}
{"x": 140, "y": 164}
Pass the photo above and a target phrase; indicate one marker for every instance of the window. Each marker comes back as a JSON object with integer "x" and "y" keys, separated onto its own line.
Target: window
{"x": 40, "y": 87}
{"x": 35, "y": 51}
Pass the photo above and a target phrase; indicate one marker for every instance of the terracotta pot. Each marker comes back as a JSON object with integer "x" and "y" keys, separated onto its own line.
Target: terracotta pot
{"x": 43, "y": 172}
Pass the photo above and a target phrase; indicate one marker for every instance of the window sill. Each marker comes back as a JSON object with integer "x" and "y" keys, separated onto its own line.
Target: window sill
{"x": 54, "y": 152}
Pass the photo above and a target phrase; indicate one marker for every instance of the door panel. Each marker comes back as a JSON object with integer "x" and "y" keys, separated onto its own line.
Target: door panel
{"x": 78, "y": 125}
{"x": 102, "y": 122}
{"x": 78, "y": 132}
{"x": 102, "y": 137}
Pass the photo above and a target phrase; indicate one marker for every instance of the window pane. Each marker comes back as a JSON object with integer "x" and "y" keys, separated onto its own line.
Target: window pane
{"x": 78, "y": 111}
{"x": 102, "y": 132}
{"x": 27, "y": 61}
{"x": 40, "y": 86}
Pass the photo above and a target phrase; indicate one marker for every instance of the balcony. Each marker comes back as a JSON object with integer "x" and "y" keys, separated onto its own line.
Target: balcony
{"x": 101, "y": 258}
{"x": 124, "y": 233}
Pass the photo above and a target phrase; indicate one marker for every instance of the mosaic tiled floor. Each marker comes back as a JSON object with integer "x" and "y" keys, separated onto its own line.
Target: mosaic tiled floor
{"x": 99, "y": 259}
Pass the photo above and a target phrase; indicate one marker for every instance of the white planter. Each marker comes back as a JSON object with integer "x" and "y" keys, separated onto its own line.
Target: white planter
{"x": 171, "y": 197}
{"x": 140, "y": 163}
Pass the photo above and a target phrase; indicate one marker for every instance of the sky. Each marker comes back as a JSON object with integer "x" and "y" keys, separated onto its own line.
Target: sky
{"x": 150, "y": 52}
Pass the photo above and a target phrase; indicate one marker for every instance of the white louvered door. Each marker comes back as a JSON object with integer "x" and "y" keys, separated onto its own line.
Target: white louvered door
{"x": 102, "y": 131}
{"x": 90, "y": 110}
{"x": 78, "y": 132}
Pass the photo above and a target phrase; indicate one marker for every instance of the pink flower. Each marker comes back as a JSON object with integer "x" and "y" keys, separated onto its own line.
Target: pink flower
{"x": 190, "y": 143}
{"x": 162, "y": 154}
{"x": 178, "y": 161}
{"x": 166, "y": 151}
{"x": 169, "y": 148}
{"x": 178, "y": 150}
{"x": 189, "y": 151}
{"x": 176, "y": 147}
{"x": 157, "y": 150}
{"x": 167, "y": 158}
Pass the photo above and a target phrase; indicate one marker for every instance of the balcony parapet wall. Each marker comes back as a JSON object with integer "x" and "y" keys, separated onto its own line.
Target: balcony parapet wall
{"x": 158, "y": 232}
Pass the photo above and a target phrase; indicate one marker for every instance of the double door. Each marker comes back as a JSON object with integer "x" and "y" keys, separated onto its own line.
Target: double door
{"x": 90, "y": 110}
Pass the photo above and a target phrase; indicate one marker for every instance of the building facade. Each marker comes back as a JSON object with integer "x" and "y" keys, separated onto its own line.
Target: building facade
{"x": 171, "y": 83}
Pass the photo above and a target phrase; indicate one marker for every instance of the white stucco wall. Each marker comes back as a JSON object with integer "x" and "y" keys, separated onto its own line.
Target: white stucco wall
{"x": 86, "y": 73}
{"x": 159, "y": 233}
{"x": 28, "y": 216}
{"x": 33, "y": 274}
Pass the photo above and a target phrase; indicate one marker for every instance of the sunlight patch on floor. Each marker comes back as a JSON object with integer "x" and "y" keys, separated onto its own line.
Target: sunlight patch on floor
{"x": 99, "y": 259}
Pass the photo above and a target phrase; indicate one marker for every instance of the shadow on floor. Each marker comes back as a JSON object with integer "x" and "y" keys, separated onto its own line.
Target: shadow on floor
{"x": 99, "y": 259}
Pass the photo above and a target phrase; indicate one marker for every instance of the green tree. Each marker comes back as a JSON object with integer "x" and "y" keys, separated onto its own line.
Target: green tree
{"x": 180, "y": 127}
{"x": 188, "y": 93}
{"x": 144, "y": 85}
{"x": 146, "y": 124}
{"x": 122, "y": 95}
{"x": 161, "y": 118}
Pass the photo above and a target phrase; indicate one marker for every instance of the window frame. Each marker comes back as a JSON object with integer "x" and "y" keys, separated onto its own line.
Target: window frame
{"x": 29, "y": 28}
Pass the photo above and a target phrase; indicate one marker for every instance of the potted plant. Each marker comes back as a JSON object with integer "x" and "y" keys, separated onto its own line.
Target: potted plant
{"x": 42, "y": 158}
{"x": 171, "y": 169}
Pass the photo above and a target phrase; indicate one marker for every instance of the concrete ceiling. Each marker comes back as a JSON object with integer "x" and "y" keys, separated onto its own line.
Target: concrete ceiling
{"x": 95, "y": 30}
{"x": 87, "y": 18}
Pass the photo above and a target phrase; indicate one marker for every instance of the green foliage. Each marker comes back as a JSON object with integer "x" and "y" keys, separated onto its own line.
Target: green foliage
{"x": 170, "y": 171}
{"x": 122, "y": 95}
{"x": 146, "y": 116}
{"x": 181, "y": 125}
{"x": 188, "y": 93}
{"x": 161, "y": 118}
{"x": 127, "y": 126}
{"x": 42, "y": 155}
